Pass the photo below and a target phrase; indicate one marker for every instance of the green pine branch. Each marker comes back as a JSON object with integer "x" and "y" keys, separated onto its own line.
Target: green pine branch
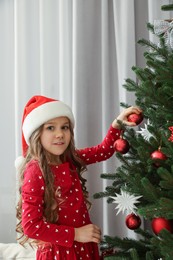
{"x": 167, "y": 7}
{"x": 164, "y": 242}
{"x": 127, "y": 248}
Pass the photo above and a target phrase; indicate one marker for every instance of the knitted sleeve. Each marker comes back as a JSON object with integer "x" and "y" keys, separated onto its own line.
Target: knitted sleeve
{"x": 103, "y": 151}
{"x": 33, "y": 223}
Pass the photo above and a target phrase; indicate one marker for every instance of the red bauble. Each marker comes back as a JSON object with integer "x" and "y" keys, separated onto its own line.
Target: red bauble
{"x": 136, "y": 118}
{"x": 161, "y": 223}
{"x": 121, "y": 145}
{"x": 133, "y": 221}
{"x": 107, "y": 252}
{"x": 158, "y": 155}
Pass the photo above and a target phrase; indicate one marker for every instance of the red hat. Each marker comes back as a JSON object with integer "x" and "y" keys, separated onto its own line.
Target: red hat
{"x": 37, "y": 111}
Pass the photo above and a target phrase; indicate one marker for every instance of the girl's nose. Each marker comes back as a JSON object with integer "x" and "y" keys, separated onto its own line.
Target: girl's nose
{"x": 58, "y": 134}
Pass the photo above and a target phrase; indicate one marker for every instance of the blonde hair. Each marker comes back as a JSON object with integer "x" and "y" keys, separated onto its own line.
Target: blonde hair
{"x": 51, "y": 199}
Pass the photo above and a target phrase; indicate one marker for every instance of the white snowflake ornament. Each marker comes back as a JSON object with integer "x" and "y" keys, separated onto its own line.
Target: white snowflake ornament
{"x": 144, "y": 131}
{"x": 126, "y": 201}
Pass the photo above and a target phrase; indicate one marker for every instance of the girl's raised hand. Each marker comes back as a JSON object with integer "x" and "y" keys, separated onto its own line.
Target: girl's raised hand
{"x": 88, "y": 233}
{"x": 123, "y": 117}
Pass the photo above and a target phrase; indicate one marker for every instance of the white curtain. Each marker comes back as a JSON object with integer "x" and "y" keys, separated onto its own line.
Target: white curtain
{"x": 79, "y": 52}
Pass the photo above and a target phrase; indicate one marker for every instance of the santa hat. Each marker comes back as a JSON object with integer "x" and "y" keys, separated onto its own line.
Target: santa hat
{"x": 37, "y": 111}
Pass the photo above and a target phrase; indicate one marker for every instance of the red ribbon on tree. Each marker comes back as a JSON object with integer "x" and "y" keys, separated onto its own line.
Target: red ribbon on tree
{"x": 171, "y": 137}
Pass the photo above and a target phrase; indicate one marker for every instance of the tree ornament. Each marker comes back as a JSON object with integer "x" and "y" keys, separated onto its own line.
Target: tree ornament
{"x": 107, "y": 252}
{"x": 166, "y": 28}
{"x": 121, "y": 145}
{"x": 158, "y": 156}
{"x": 133, "y": 221}
{"x": 135, "y": 118}
{"x": 171, "y": 137}
{"x": 125, "y": 201}
{"x": 144, "y": 131}
{"x": 161, "y": 223}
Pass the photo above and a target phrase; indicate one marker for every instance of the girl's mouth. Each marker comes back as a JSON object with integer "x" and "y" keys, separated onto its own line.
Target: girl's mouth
{"x": 58, "y": 143}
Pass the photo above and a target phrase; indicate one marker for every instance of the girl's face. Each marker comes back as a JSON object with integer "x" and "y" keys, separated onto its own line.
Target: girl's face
{"x": 55, "y": 136}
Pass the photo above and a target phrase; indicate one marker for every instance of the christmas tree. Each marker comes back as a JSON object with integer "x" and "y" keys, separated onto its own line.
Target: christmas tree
{"x": 143, "y": 184}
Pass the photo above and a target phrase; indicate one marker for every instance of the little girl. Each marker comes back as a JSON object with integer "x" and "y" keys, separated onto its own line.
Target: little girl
{"x": 53, "y": 204}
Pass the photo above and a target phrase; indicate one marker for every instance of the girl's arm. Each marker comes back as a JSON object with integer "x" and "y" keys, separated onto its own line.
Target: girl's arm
{"x": 102, "y": 151}
{"x": 105, "y": 149}
{"x": 33, "y": 223}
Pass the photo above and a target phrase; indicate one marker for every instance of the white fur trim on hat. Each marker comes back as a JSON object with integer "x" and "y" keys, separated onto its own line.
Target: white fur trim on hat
{"x": 44, "y": 113}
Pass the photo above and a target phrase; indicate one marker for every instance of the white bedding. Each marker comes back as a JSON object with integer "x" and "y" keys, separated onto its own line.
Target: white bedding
{"x": 16, "y": 251}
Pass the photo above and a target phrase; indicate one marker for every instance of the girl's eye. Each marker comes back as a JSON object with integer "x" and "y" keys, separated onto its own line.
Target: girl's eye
{"x": 65, "y": 127}
{"x": 50, "y": 127}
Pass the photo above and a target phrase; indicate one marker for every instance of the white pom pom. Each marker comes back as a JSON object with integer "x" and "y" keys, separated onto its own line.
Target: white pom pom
{"x": 18, "y": 162}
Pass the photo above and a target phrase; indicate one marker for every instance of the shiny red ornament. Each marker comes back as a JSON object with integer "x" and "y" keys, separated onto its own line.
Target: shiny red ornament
{"x": 121, "y": 145}
{"x": 158, "y": 155}
{"x": 133, "y": 221}
{"x": 161, "y": 223}
{"x": 136, "y": 118}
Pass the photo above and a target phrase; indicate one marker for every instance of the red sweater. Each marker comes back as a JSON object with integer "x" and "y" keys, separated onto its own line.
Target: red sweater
{"x": 72, "y": 212}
